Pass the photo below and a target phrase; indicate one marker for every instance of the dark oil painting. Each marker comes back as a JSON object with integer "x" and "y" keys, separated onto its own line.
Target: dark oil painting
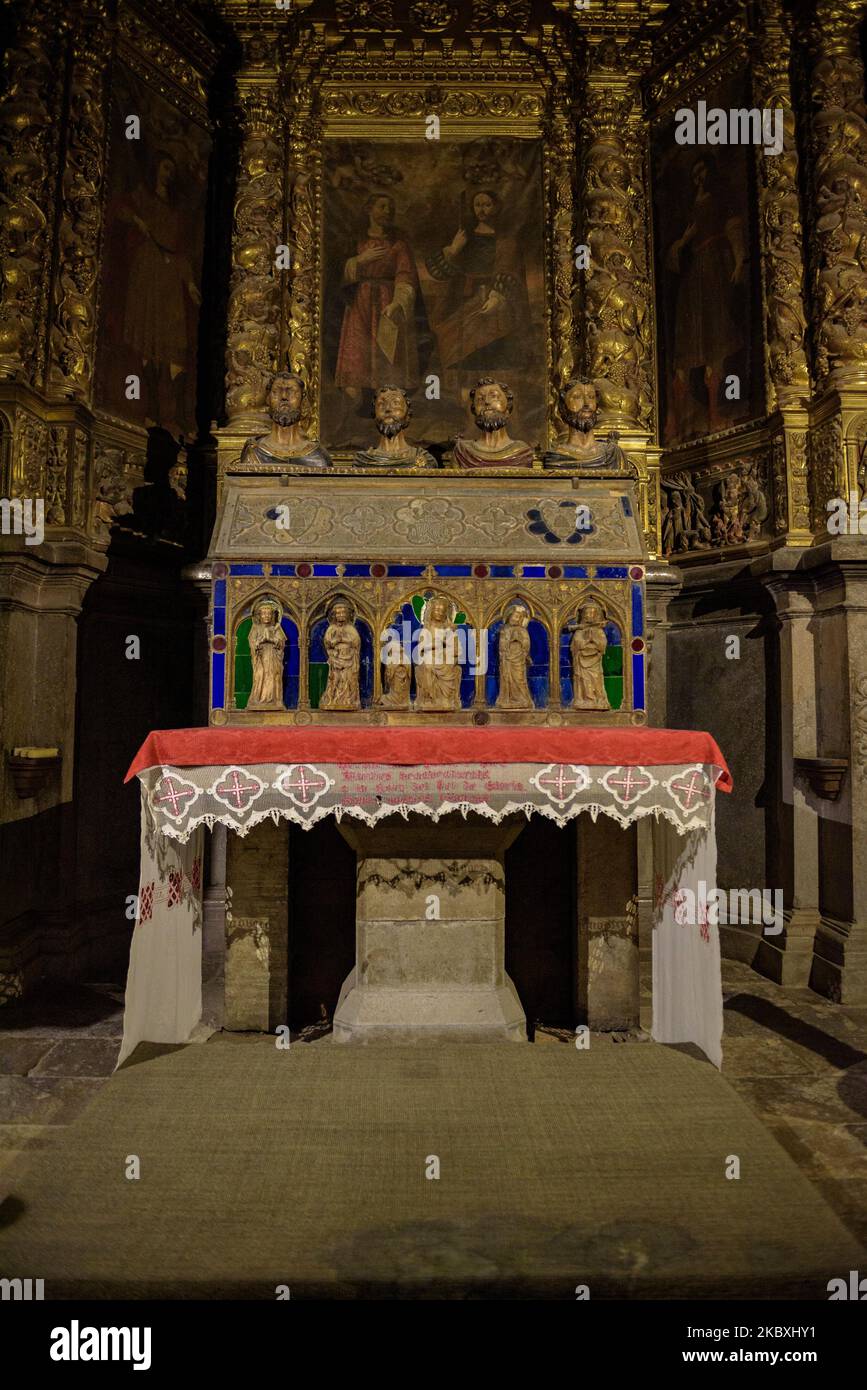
{"x": 707, "y": 270}
{"x": 433, "y": 265}
{"x": 150, "y": 288}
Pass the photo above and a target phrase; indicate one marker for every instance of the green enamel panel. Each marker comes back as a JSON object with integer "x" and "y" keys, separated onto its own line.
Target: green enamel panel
{"x": 243, "y": 664}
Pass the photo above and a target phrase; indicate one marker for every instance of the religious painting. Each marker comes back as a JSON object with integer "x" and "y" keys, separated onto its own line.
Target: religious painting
{"x": 433, "y": 276}
{"x": 151, "y": 265}
{"x": 711, "y": 375}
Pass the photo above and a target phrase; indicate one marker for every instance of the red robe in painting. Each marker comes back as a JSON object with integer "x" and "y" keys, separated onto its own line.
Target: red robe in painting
{"x": 369, "y": 288}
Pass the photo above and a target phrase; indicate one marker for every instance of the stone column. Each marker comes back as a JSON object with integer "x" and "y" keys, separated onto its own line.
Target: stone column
{"x": 839, "y": 571}
{"x": 794, "y": 858}
{"x": 430, "y": 942}
{"x": 257, "y": 929}
{"x": 608, "y": 955}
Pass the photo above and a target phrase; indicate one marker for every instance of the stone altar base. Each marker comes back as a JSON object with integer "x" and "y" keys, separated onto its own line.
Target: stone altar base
{"x": 430, "y": 934}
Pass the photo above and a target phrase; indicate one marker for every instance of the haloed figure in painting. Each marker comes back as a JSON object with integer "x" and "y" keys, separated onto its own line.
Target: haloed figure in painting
{"x": 379, "y": 337}
{"x": 709, "y": 260}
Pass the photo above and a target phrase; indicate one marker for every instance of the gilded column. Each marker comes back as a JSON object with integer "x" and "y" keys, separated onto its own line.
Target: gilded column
{"x": 782, "y": 254}
{"x": 300, "y": 297}
{"x": 559, "y": 167}
{"x": 252, "y": 349}
{"x": 617, "y": 301}
{"x": 73, "y": 319}
{"x": 838, "y": 148}
{"x": 29, "y": 126}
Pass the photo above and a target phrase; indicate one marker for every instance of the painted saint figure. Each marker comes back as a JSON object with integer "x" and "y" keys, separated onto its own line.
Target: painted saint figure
{"x": 486, "y": 302}
{"x": 267, "y": 641}
{"x": 514, "y": 651}
{"x": 438, "y": 675}
{"x": 378, "y": 337}
{"x": 588, "y": 647}
{"x": 162, "y": 296}
{"x": 709, "y": 257}
{"x": 343, "y": 649}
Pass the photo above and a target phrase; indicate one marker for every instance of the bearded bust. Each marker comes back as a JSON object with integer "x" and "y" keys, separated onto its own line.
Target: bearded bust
{"x": 581, "y": 448}
{"x": 491, "y": 404}
{"x": 392, "y": 412}
{"x": 286, "y": 448}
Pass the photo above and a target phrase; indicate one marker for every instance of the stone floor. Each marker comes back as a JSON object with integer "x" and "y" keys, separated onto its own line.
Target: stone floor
{"x": 799, "y": 1061}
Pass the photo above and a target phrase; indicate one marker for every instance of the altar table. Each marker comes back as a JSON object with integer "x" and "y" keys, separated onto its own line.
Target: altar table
{"x": 192, "y": 778}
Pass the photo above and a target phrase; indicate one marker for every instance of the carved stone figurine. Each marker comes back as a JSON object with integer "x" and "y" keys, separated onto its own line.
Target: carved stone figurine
{"x": 437, "y": 674}
{"x": 397, "y": 682}
{"x": 286, "y": 448}
{"x": 514, "y": 658}
{"x": 491, "y": 404}
{"x": 267, "y": 641}
{"x": 392, "y": 413}
{"x": 581, "y": 448}
{"x": 588, "y": 648}
{"x": 343, "y": 649}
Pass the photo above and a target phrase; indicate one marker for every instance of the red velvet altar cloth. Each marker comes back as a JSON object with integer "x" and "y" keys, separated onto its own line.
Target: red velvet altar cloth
{"x": 428, "y": 746}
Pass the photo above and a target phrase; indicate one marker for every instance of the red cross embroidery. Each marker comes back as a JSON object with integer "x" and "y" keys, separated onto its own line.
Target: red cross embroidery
{"x": 629, "y": 781}
{"x": 175, "y": 879}
{"x": 146, "y": 903}
{"x": 316, "y": 784}
{"x": 562, "y": 781}
{"x": 692, "y": 789}
{"x": 703, "y": 924}
{"x": 175, "y": 793}
{"x": 234, "y": 788}
{"x": 196, "y": 876}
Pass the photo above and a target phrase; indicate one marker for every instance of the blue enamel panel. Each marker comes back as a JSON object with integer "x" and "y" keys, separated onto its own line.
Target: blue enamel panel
{"x": 611, "y": 571}
{"x": 638, "y": 679}
{"x": 220, "y": 593}
{"x": 408, "y": 571}
{"x": 246, "y": 569}
{"x": 502, "y": 571}
{"x": 637, "y": 612}
{"x": 627, "y": 506}
{"x": 453, "y": 571}
{"x": 356, "y": 571}
{"x": 218, "y": 678}
{"x": 325, "y": 571}
{"x": 575, "y": 571}
{"x": 534, "y": 571}
{"x": 219, "y": 622}
{"x": 283, "y": 571}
